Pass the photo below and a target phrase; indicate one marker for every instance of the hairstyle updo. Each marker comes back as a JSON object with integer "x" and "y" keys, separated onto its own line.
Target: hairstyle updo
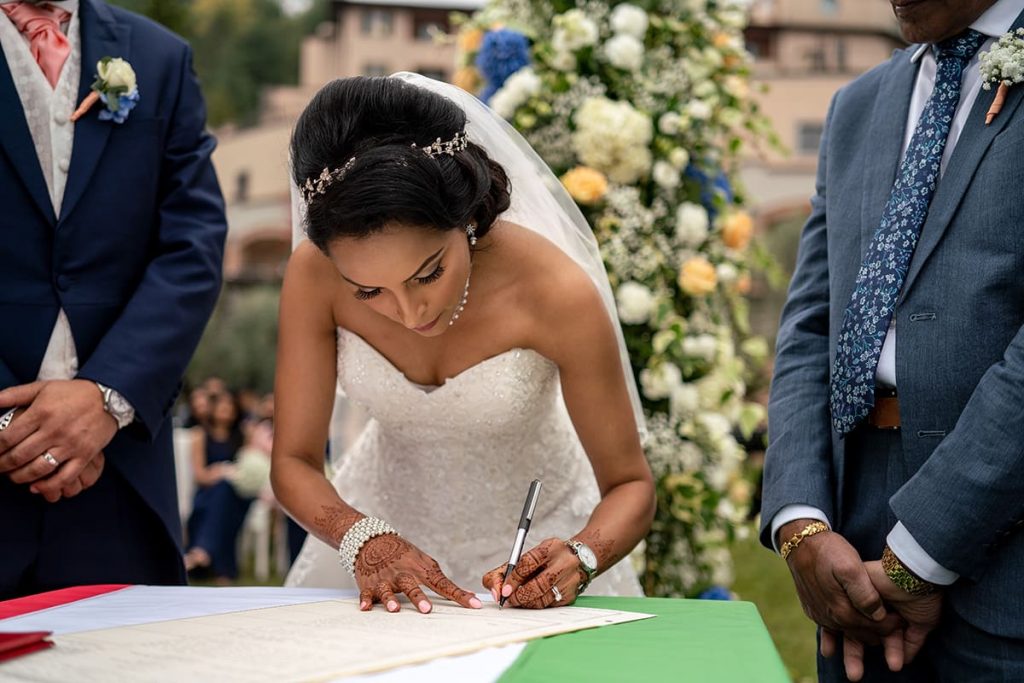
{"x": 374, "y": 122}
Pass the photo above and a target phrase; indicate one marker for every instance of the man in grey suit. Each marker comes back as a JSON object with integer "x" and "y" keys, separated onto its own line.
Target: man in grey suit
{"x": 894, "y": 480}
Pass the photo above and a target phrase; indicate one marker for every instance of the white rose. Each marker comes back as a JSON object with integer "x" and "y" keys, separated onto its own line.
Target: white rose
{"x": 629, "y": 20}
{"x": 727, "y": 273}
{"x": 730, "y": 117}
{"x": 684, "y": 400}
{"x": 679, "y": 157}
{"x": 691, "y": 224}
{"x": 670, "y": 123}
{"x": 703, "y": 346}
{"x": 699, "y": 109}
{"x": 573, "y": 31}
{"x": 705, "y": 89}
{"x": 736, "y": 86}
{"x": 659, "y": 382}
{"x": 666, "y": 175}
{"x": 117, "y": 73}
{"x": 635, "y": 303}
{"x": 625, "y": 52}
{"x": 520, "y": 87}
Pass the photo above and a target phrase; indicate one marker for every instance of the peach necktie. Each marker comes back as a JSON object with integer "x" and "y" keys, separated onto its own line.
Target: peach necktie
{"x": 41, "y": 24}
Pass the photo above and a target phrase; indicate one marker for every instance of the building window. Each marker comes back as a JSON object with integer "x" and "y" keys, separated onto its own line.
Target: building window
{"x": 436, "y": 74}
{"x": 376, "y": 70}
{"x": 808, "y": 136}
{"x": 378, "y": 23}
{"x": 242, "y": 186}
{"x": 760, "y": 42}
{"x": 426, "y": 23}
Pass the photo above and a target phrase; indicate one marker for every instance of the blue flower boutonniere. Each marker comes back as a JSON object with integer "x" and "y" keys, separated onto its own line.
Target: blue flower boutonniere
{"x": 115, "y": 86}
{"x": 1003, "y": 64}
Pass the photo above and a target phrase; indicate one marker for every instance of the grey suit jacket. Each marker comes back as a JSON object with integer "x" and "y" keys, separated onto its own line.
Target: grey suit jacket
{"x": 960, "y": 351}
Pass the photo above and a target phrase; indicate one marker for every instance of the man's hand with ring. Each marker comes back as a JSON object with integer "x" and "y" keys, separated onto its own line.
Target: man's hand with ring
{"x": 64, "y": 419}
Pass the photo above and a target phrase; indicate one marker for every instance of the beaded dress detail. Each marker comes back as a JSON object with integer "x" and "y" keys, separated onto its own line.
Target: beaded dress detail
{"x": 448, "y": 466}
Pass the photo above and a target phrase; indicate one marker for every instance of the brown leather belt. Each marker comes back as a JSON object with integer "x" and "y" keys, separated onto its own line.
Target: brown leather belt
{"x": 886, "y": 413}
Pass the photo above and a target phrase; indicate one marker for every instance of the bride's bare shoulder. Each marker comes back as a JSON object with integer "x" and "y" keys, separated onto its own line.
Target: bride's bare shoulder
{"x": 310, "y": 281}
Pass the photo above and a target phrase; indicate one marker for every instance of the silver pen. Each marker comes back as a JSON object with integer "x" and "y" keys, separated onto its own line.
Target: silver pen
{"x": 524, "y": 525}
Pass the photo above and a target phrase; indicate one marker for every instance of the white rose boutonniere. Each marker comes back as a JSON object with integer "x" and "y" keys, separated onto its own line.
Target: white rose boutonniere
{"x": 116, "y": 86}
{"x": 1002, "y": 64}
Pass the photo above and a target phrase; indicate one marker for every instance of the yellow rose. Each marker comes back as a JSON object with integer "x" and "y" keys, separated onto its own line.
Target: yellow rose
{"x": 467, "y": 78}
{"x": 721, "y": 40}
{"x": 470, "y": 40}
{"x": 740, "y": 491}
{"x": 698, "y": 277}
{"x": 586, "y": 185}
{"x": 737, "y": 230}
{"x": 116, "y": 73}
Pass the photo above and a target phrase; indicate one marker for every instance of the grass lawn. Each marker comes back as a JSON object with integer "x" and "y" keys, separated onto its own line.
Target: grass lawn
{"x": 762, "y": 578}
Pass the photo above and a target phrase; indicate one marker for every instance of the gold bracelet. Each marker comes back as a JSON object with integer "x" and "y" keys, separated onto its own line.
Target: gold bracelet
{"x": 809, "y": 530}
{"x": 900, "y": 575}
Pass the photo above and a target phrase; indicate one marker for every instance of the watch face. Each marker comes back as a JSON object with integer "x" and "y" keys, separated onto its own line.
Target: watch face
{"x": 587, "y": 557}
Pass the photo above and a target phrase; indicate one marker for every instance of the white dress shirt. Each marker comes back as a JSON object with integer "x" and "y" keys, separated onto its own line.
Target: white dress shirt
{"x": 47, "y": 111}
{"x": 993, "y": 23}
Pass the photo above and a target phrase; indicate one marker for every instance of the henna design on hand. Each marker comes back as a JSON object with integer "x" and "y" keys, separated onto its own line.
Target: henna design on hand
{"x": 406, "y": 583}
{"x": 441, "y": 583}
{"x": 334, "y": 520}
{"x": 602, "y": 548}
{"x": 379, "y": 552}
{"x": 533, "y": 593}
{"x": 532, "y": 561}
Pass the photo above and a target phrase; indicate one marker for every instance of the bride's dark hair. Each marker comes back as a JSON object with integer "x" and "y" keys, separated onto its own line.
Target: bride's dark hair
{"x": 373, "y": 122}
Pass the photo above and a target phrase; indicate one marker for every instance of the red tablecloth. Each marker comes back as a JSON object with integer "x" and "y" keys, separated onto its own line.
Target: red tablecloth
{"x": 41, "y": 601}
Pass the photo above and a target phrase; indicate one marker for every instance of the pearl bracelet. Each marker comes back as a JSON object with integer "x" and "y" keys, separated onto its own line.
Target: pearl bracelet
{"x": 357, "y": 536}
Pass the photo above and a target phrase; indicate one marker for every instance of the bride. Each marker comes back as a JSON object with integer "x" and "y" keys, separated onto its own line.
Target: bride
{"x": 452, "y": 289}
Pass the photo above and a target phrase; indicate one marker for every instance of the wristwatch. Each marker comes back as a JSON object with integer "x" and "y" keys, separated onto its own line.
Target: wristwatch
{"x": 116, "y": 406}
{"x": 588, "y": 562}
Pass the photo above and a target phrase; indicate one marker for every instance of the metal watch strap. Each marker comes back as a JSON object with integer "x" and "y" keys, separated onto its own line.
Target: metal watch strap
{"x": 900, "y": 575}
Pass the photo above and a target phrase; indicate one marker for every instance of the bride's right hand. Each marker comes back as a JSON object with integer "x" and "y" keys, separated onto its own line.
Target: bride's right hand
{"x": 388, "y": 565}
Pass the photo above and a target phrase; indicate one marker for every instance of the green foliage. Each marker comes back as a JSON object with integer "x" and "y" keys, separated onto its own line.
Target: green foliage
{"x": 240, "y": 342}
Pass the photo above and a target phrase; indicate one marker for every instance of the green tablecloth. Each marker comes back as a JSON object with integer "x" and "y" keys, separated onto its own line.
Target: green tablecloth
{"x": 699, "y": 641}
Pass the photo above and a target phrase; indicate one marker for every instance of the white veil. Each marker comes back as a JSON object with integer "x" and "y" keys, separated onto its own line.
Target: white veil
{"x": 539, "y": 202}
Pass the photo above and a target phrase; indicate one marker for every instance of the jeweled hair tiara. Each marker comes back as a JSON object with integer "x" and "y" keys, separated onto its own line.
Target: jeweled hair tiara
{"x": 317, "y": 186}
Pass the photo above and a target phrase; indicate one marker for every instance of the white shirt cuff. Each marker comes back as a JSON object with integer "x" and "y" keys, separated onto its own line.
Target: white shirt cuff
{"x": 797, "y": 511}
{"x": 916, "y": 559}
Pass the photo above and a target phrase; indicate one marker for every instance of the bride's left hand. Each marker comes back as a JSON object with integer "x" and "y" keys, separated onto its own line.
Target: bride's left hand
{"x": 547, "y": 576}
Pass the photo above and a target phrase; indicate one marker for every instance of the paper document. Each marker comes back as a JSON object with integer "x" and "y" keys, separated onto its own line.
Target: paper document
{"x": 310, "y": 642}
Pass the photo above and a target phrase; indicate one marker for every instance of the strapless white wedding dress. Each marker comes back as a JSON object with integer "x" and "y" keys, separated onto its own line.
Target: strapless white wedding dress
{"x": 449, "y": 466}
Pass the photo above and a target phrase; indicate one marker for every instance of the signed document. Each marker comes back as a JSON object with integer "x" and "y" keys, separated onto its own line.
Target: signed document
{"x": 310, "y": 642}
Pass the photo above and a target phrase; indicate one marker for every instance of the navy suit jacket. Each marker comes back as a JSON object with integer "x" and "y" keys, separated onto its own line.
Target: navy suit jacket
{"x": 960, "y": 350}
{"x": 135, "y": 257}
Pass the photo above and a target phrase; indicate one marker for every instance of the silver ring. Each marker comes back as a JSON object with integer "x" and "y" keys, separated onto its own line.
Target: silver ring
{"x": 6, "y": 418}
{"x": 50, "y": 460}
{"x": 558, "y": 593}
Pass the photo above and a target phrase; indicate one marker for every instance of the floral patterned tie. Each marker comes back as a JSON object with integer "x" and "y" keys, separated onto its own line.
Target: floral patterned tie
{"x": 880, "y": 278}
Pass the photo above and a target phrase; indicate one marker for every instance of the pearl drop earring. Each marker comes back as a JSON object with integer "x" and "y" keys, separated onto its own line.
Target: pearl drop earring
{"x": 471, "y": 234}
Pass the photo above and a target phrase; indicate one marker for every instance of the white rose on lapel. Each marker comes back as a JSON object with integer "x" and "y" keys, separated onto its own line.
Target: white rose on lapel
{"x": 117, "y": 73}
{"x": 116, "y": 86}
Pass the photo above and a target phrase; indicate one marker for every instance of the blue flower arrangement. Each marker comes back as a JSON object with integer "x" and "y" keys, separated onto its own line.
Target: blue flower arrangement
{"x": 716, "y": 593}
{"x": 118, "y": 106}
{"x": 502, "y": 53}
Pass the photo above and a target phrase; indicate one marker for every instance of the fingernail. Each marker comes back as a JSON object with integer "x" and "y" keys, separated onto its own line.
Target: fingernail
{"x": 392, "y": 606}
{"x": 363, "y": 605}
{"x": 506, "y": 590}
{"x": 879, "y": 614}
{"x": 475, "y": 603}
{"x": 33, "y": 489}
{"x": 424, "y": 606}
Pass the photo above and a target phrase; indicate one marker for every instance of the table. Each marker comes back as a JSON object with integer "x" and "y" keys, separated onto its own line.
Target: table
{"x": 705, "y": 641}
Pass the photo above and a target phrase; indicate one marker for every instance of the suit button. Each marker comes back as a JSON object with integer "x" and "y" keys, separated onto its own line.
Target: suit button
{"x": 63, "y": 283}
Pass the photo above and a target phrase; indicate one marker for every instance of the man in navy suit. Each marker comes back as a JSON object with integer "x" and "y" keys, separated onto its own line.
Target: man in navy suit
{"x": 111, "y": 243}
{"x": 894, "y": 480}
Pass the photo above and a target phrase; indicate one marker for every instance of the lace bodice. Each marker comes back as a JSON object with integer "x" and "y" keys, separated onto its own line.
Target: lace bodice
{"x": 449, "y": 466}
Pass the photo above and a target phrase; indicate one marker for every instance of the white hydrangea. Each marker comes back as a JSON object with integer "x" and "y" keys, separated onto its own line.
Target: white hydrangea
{"x": 684, "y": 401}
{"x": 574, "y": 30}
{"x": 679, "y": 158}
{"x": 625, "y": 52}
{"x": 613, "y": 138}
{"x": 564, "y": 61}
{"x": 659, "y": 382}
{"x": 629, "y": 20}
{"x": 730, "y": 117}
{"x": 698, "y": 109}
{"x": 520, "y": 87}
{"x": 692, "y": 224}
{"x": 727, "y": 273}
{"x": 705, "y": 89}
{"x": 666, "y": 175}
{"x": 703, "y": 346}
{"x": 635, "y": 303}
